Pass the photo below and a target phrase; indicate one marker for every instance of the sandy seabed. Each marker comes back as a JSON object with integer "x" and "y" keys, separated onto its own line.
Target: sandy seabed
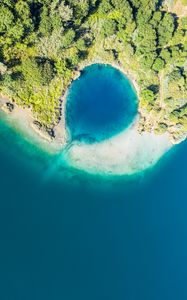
{"x": 127, "y": 153}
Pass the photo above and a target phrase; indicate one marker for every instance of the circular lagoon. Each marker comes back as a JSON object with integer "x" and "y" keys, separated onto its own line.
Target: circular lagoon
{"x": 102, "y": 120}
{"x": 100, "y": 103}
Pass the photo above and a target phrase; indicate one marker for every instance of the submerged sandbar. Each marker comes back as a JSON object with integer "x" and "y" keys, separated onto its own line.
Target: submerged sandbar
{"x": 127, "y": 153}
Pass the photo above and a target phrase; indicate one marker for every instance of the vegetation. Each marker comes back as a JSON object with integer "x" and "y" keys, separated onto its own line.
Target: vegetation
{"x": 44, "y": 42}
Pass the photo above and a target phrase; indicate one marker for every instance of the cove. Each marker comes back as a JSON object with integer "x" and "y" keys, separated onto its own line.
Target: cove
{"x": 76, "y": 236}
{"x": 100, "y": 103}
{"x": 102, "y": 120}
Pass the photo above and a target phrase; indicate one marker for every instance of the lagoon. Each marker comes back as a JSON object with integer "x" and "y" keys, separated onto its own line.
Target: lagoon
{"x": 102, "y": 120}
{"x": 100, "y": 103}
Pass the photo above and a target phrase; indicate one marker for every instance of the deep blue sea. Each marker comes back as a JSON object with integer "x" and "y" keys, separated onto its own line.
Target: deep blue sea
{"x": 68, "y": 235}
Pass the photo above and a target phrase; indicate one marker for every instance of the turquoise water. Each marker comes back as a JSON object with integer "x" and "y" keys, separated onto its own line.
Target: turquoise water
{"x": 68, "y": 235}
{"x": 97, "y": 106}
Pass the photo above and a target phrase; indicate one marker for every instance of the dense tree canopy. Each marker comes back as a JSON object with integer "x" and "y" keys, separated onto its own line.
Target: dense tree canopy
{"x": 43, "y": 42}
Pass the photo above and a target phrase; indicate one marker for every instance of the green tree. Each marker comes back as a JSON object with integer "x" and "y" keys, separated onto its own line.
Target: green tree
{"x": 109, "y": 27}
{"x": 45, "y": 23}
{"x": 165, "y": 54}
{"x": 147, "y": 60}
{"x": 156, "y": 18}
{"x": 105, "y": 6}
{"x": 65, "y": 12}
{"x": 145, "y": 38}
{"x": 148, "y": 95}
{"x": 47, "y": 72}
{"x": 68, "y": 38}
{"x": 166, "y": 29}
{"x": 6, "y": 19}
{"x": 184, "y": 22}
{"x": 31, "y": 73}
{"x": 158, "y": 64}
{"x": 17, "y": 31}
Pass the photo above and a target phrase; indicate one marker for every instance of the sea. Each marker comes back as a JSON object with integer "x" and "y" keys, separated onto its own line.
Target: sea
{"x": 66, "y": 234}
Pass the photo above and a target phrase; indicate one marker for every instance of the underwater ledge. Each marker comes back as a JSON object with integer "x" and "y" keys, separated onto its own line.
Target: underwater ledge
{"x": 127, "y": 153}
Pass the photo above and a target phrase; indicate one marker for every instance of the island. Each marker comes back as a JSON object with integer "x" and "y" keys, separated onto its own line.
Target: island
{"x": 45, "y": 45}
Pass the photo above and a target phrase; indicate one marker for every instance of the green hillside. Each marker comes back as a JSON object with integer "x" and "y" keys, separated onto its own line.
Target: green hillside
{"x": 43, "y": 43}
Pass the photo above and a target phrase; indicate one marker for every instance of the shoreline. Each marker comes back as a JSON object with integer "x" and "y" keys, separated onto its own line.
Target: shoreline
{"x": 26, "y": 117}
{"x": 127, "y": 153}
{"x": 23, "y": 118}
{"x": 115, "y": 65}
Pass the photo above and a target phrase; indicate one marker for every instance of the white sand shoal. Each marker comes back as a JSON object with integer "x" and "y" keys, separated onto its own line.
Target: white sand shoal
{"x": 127, "y": 153}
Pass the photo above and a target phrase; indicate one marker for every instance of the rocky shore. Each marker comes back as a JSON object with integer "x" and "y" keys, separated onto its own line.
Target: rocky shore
{"x": 23, "y": 120}
{"x": 55, "y": 138}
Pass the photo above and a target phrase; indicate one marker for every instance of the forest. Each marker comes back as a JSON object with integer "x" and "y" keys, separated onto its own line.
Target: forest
{"x": 44, "y": 42}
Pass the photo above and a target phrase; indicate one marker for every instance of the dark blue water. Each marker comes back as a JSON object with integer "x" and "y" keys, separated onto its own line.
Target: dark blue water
{"x": 72, "y": 236}
{"x": 66, "y": 235}
{"x": 101, "y": 103}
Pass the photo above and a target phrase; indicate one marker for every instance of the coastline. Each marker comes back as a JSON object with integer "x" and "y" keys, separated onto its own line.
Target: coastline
{"x": 26, "y": 120}
{"x": 126, "y": 146}
{"x": 115, "y": 65}
{"x": 22, "y": 120}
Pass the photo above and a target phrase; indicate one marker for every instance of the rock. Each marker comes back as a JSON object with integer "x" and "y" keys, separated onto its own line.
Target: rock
{"x": 51, "y": 132}
{"x": 37, "y": 124}
{"x": 10, "y": 106}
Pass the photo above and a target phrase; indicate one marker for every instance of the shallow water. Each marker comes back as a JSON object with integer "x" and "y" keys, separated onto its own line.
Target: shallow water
{"x": 68, "y": 235}
{"x": 102, "y": 118}
{"x": 100, "y": 103}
